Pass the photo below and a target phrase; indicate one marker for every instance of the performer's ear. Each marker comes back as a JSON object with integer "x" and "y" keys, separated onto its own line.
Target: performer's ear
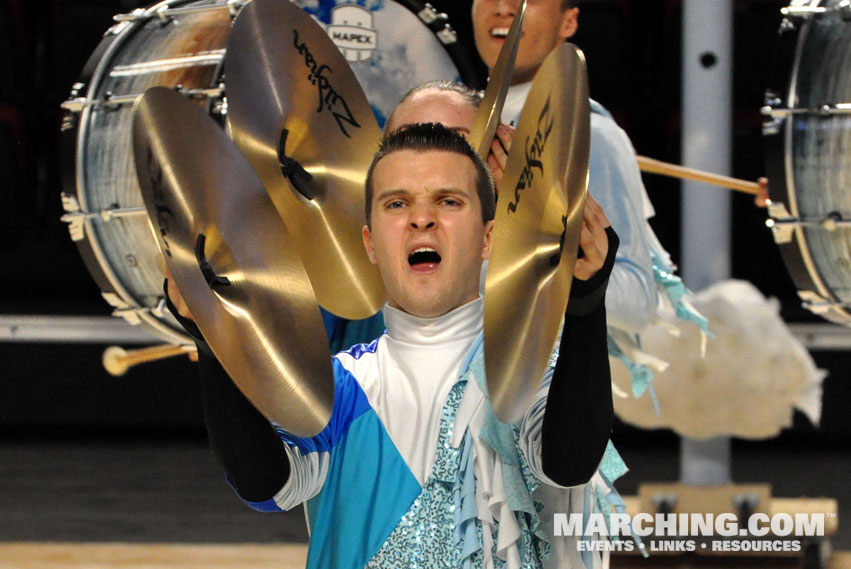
{"x": 486, "y": 243}
{"x": 367, "y": 244}
{"x": 569, "y": 23}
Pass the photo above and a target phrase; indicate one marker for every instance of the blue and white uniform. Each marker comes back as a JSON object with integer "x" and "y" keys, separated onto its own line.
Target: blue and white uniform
{"x": 414, "y": 468}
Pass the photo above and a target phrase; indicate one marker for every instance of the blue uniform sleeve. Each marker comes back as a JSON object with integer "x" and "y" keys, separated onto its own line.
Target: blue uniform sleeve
{"x": 615, "y": 181}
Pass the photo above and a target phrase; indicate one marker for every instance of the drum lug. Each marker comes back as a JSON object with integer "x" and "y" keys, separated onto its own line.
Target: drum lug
{"x": 428, "y": 14}
{"x": 772, "y": 125}
{"x": 122, "y": 309}
{"x": 234, "y": 6}
{"x": 439, "y": 23}
{"x": 124, "y": 20}
{"x": 132, "y": 314}
{"x": 220, "y": 107}
{"x": 778, "y": 211}
{"x": 75, "y": 102}
{"x": 447, "y": 35}
{"x": 816, "y": 303}
{"x": 75, "y": 105}
{"x": 781, "y": 222}
{"x": 76, "y": 226}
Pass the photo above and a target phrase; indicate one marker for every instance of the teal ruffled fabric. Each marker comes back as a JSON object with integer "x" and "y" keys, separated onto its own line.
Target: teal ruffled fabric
{"x": 519, "y": 483}
{"x": 503, "y": 439}
{"x": 675, "y": 290}
{"x": 641, "y": 378}
{"x": 672, "y": 287}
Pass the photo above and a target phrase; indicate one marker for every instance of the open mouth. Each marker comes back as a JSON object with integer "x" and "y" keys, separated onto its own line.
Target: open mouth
{"x": 423, "y": 257}
{"x": 499, "y": 33}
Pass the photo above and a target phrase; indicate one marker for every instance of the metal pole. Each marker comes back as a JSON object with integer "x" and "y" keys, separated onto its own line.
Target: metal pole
{"x": 706, "y": 145}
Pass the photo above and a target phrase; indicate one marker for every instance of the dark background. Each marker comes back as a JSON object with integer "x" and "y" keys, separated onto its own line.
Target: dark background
{"x": 633, "y": 52}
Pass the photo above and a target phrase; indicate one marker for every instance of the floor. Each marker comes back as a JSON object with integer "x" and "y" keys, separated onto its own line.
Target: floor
{"x": 153, "y": 501}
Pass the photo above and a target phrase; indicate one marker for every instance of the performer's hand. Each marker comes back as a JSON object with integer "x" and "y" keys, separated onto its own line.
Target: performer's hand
{"x": 498, "y": 155}
{"x": 176, "y": 298}
{"x": 761, "y": 199}
{"x": 592, "y": 240}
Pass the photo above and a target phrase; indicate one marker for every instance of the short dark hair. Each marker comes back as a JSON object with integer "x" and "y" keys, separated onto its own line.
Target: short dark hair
{"x": 568, "y": 4}
{"x": 470, "y": 95}
{"x": 422, "y": 137}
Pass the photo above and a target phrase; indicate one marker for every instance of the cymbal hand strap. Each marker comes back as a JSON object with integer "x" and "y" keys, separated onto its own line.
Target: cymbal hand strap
{"x": 292, "y": 170}
{"x": 206, "y": 269}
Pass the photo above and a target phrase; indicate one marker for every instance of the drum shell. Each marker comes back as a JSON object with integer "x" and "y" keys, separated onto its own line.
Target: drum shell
{"x": 806, "y": 164}
{"x": 120, "y": 252}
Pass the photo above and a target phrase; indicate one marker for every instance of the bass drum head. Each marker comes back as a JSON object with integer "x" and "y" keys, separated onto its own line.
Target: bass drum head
{"x": 808, "y": 144}
{"x": 392, "y": 47}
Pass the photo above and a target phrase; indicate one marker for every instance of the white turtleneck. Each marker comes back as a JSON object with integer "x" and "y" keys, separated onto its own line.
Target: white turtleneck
{"x": 410, "y": 373}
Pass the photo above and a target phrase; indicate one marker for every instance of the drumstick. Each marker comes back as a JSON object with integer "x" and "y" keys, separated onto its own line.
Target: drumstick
{"x": 117, "y": 360}
{"x": 667, "y": 169}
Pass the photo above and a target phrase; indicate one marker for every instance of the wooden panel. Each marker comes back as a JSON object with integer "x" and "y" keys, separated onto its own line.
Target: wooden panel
{"x": 150, "y": 556}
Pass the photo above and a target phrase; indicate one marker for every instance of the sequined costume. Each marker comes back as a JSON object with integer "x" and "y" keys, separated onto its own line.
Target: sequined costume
{"x": 414, "y": 470}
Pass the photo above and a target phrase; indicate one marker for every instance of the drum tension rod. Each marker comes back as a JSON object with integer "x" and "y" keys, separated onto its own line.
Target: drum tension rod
{"x": 77, "y": 104}
{"x": 166, "y": 12}
{"x": 831, "y": 222}
{"x": 824, "y": 110}
{"x": 808, "y": 11}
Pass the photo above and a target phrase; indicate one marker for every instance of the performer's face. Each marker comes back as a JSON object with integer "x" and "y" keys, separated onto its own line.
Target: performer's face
{"x": 427, "y": 201}
{"x": 545, "y": 26}
{"x": 433, "y": 105}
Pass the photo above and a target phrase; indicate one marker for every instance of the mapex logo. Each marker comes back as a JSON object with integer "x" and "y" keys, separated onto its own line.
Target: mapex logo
{"x": 351, "y": 30}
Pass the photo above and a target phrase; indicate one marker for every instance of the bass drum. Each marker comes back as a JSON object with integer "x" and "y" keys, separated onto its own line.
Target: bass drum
{"x": 807, "y": 130}
{"x": 392, "y": 47}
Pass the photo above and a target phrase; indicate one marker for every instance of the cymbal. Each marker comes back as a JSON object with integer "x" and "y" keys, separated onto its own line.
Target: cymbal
{"x": 298, "y": 113}
{"x": 539, "y": 216}
{"x": 490, "y": 110}
{"x": 233, "y": 260}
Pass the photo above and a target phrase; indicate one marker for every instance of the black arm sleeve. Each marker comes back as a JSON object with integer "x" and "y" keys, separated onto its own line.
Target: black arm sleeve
{"x": 243, "y": 441}
{"x": 579, "y": 412}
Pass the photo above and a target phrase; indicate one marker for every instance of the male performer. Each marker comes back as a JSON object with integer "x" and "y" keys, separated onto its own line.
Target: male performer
{"x": 414, "y": 469}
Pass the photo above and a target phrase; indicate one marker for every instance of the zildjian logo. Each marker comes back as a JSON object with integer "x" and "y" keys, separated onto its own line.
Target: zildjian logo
{"x": 534, "y": 151}
{"x": 328, "y": 98}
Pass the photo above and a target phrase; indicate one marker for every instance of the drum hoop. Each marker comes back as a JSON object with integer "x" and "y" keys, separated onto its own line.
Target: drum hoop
{"x": 104, "y": 266}
{"x": 791, "y": 192}
{"x": 466, "y": 67}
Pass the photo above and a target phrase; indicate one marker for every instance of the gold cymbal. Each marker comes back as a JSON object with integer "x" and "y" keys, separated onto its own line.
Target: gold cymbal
{"x": 490, "y": 110}
{"x": 539, "y": 216}
{"x": 232, "y": 259}
{"x": 298, "y": 113}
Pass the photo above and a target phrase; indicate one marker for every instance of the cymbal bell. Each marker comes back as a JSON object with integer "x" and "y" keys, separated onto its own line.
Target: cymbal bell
{"x": 539, "y": 216}
{"x": 490, "y": 109}
{"x": 233, "y": 260}
{"x": 298, "y": 113}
